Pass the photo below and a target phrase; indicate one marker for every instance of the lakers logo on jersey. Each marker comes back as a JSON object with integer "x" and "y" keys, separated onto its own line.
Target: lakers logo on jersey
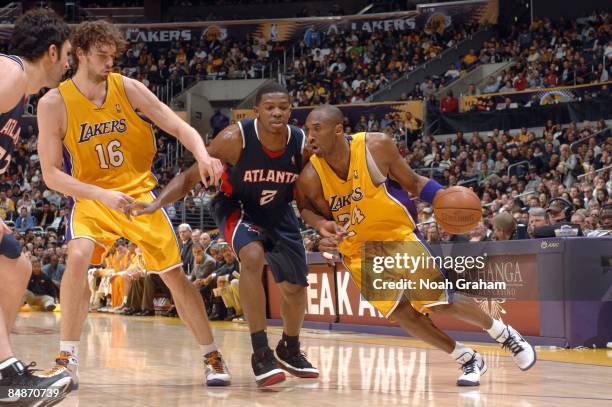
{"x": 110, "y": 145}
{"x": 97, "y": 129}
{"x": 338, "y": 202}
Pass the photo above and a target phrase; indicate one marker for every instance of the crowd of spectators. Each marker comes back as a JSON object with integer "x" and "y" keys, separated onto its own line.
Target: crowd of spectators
{"x": 348, "y": 67}
{"x": 546, "y": 54}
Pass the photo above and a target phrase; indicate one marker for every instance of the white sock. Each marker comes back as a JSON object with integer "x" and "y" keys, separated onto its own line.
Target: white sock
{"x": 206, "y": 349}
{"x": 8, "y": 362}
{"x": 70, "y": 346}
{"x": 462, "y": 353}
{"x": 496, "y": 329}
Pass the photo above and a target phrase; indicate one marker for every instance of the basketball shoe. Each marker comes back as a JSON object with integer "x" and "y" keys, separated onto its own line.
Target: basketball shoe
{"x": 20, "y": 386}
{"x": 70, "y": 363}
{"x": 473, "y": 366}
{"x": 215, "y": 370}
{"x": 523, "y": 354}
{"x": 294, "y": 361}
{"x": 266, "y": 368}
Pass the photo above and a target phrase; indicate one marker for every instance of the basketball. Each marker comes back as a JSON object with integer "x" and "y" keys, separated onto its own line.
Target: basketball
{"x": 457, "y": 209}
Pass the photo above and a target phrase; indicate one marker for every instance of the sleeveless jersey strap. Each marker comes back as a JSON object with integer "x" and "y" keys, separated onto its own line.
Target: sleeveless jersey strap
{"x": 16, "y": 59}
{"x": 247, "y": 128}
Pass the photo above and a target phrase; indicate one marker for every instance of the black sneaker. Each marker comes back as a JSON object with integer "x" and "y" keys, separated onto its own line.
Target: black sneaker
{"x": 20, "y": 386}
{"x": 266, "y": 368}
{"x": 294, "y": 361}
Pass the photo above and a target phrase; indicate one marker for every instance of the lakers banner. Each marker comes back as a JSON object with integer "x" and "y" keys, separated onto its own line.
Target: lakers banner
{"x": 441, "y": 15}
{"x": 545, "y": 96}
{"x": 312, "y": 30}
{"x": 398, "y": 110}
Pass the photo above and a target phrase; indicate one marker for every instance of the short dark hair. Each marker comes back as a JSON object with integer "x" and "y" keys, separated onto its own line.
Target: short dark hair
{"x": 271, "y": 87}
{"x": 36, "y": 31}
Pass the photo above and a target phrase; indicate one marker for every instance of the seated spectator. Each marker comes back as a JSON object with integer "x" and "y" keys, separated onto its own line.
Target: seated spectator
{"x": 203, "y": 267}
{"x": 604, "y": 224}
{"x": 54, "y": 270}
{"x": 25, "y": 221}
{"x": 504, "y": 226}
{"x": 41, "y": 290}
{"x": 230, "y": 264}
{"x": 538, "y": 217}
{"x": 46, "y": 215}
{"x": 7, "y": 206}
{"x": 228, "y": 286}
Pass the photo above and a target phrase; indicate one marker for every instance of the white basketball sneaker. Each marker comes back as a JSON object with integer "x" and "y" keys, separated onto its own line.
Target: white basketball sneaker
{"x": 215, "y": 370}
{"x": 71, "y": 363}
{"x": 473, "y": 366}
{"x": 523, "y": 354}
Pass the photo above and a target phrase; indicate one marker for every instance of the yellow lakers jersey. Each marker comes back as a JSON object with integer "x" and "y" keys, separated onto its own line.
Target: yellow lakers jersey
{"x": 367, "y": 211}
{"x": 109, "y": 146}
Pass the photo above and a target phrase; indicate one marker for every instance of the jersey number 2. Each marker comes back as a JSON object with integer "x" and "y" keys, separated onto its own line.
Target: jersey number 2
{"x": 115, "y": 156}
{"x": 267, "y": 196}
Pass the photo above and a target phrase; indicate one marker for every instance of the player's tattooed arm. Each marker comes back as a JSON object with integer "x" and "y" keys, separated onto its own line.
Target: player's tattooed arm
{"x": 391, "y": 163}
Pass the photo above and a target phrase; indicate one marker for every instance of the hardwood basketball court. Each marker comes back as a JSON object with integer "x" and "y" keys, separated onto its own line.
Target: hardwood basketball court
{"x": 154, "y": 361}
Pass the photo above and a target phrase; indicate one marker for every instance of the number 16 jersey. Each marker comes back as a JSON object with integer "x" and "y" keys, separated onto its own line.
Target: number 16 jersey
{"x": 110, "y": 146}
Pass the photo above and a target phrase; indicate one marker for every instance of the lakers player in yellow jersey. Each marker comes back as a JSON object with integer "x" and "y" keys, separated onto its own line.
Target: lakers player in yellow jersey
{"x": 95, "y": 147}
{"x": 354, "y": 191}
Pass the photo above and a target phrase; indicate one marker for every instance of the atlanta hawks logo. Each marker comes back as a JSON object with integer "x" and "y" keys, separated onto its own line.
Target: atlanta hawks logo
{"x": 254, "y": 229}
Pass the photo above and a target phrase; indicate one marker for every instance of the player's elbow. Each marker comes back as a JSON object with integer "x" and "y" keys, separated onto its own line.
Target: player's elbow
{"x": 50, "y": 177}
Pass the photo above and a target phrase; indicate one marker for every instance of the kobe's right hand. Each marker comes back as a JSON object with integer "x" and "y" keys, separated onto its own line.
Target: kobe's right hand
{"x": 328, "y": 245}
{"x": 115, "y": 200}
{"x": 329, "y": 228}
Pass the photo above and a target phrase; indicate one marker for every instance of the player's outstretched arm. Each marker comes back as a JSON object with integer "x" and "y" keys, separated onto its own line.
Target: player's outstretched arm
{"x": 143, "y": 100}
{"x": 226, "y": 147}
{"x": 176, "y": 189}
{"x": 52, "y": 119}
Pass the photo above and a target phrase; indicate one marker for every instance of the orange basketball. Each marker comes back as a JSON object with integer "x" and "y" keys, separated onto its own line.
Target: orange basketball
{"x": 457, "y": 209}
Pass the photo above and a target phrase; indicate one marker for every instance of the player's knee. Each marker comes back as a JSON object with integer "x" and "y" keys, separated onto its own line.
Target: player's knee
{"x": 79, "y": 256}
{"x": 293, "y": 290}
{"x": 251, "y": 260}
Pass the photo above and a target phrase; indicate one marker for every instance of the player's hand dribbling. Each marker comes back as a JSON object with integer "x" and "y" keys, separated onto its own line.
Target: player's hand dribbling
{"x": 211, "y": 170}
{"x": 116, "y": 200}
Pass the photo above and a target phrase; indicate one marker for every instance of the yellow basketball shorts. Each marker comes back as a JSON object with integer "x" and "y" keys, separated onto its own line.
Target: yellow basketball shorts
{"x": 152, "y": 233}
{"x": 420, "y": 299}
